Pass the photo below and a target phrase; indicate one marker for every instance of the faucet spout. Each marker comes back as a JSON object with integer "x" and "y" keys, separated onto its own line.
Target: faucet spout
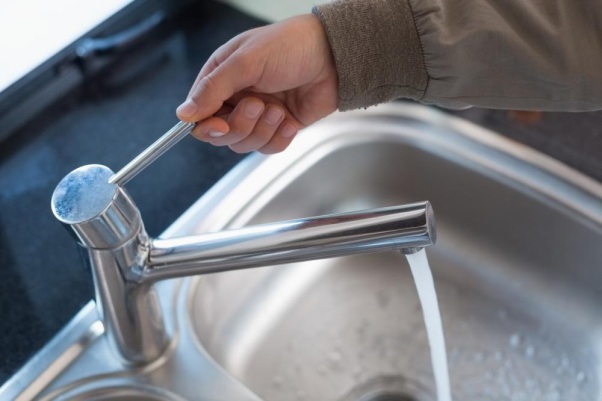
{"x": 400, "y": 227}
{"x": 126, "y": 262}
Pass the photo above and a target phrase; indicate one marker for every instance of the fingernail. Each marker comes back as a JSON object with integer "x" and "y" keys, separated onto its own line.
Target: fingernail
{"x": 215, "y": 133}
{"x": 253, "y": 109}
{"x": 187, "y": 109}
{"x": 273, "y": 115}
{"x": 288, "y": 130}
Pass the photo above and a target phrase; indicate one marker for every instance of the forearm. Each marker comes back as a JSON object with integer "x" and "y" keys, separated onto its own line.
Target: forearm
{"x": 537, "y": 55}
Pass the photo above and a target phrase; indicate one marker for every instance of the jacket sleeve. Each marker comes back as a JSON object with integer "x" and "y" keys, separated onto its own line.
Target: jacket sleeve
{"x": 511, "y": 54}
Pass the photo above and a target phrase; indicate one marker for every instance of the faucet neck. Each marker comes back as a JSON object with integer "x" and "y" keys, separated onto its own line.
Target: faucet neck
{"x": 106, "y": 221}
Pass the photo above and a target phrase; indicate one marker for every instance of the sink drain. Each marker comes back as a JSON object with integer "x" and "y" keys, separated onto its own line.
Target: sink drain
{"x": 388, "y": 388}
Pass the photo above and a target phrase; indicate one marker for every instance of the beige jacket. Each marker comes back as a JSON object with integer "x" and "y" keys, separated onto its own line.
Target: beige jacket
{"x": 513, "y": 54}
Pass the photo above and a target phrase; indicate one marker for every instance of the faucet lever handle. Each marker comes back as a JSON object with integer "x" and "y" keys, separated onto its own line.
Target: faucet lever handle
{"x": 152, "y": 153}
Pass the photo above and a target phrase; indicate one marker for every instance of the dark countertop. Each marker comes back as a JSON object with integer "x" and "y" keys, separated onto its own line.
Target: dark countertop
{"x": 44, "y": 283}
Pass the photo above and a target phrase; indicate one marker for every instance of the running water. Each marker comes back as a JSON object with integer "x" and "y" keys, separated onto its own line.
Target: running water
{"x": 432, "y": 319}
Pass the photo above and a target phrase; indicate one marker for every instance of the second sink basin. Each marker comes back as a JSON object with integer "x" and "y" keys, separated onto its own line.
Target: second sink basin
{"x": 516, "y": 267}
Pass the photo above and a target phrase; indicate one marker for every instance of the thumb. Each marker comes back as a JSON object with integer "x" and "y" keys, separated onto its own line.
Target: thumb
{"x": 210, "y": 92}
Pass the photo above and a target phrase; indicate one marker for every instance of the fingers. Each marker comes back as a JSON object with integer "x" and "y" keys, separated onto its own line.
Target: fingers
{"x": 209, "y": 129}
{"x": 272, "y": 133}
{"x": 242, "y": 121}
{"x": 281, "y": 139}
{"x": 189, "y": 109}
{"x": 221, "y": 82}
{"x": 263, "y": 131}
{"x": 251, "y": 125}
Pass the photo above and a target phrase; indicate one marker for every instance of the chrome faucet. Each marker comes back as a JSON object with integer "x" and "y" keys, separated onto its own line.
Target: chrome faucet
{"x": 126, "y": 263}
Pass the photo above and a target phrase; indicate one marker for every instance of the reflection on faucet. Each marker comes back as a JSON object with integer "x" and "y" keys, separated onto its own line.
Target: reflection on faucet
{"x": 126, "y": 262}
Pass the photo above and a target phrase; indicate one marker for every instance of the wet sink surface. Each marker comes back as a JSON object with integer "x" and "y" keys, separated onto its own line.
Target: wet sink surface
{"x": 516, "y": 268}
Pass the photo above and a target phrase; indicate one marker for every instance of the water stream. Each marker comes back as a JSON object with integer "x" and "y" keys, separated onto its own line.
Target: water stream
{"x": 432, "y": 319}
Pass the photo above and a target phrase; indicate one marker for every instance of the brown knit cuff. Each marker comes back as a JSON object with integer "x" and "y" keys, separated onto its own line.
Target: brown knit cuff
{"x": 376, "y": 49}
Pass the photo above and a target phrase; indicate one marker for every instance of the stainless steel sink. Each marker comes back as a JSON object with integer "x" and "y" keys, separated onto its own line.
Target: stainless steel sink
{"x": 517, "y": 266}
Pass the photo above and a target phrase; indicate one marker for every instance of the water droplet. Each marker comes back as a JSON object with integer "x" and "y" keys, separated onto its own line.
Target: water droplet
{"x": 529, "y": 351}
{"x": 335, "y": 356}
{"x": 581, "y": 377}
{"x": 335, "y": 360}
{"x": 564, "y": 360}
{"x": 515, "y": 340}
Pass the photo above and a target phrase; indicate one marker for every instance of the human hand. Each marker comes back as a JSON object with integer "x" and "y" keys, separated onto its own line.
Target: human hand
{"x": 256, "y": 91}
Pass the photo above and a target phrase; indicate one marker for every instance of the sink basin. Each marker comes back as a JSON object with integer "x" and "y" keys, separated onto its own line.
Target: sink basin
{"x": 516, "y": 267}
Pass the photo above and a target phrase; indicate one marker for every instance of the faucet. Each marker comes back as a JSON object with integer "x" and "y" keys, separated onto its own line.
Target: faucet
{"x": 126, "y": 263}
